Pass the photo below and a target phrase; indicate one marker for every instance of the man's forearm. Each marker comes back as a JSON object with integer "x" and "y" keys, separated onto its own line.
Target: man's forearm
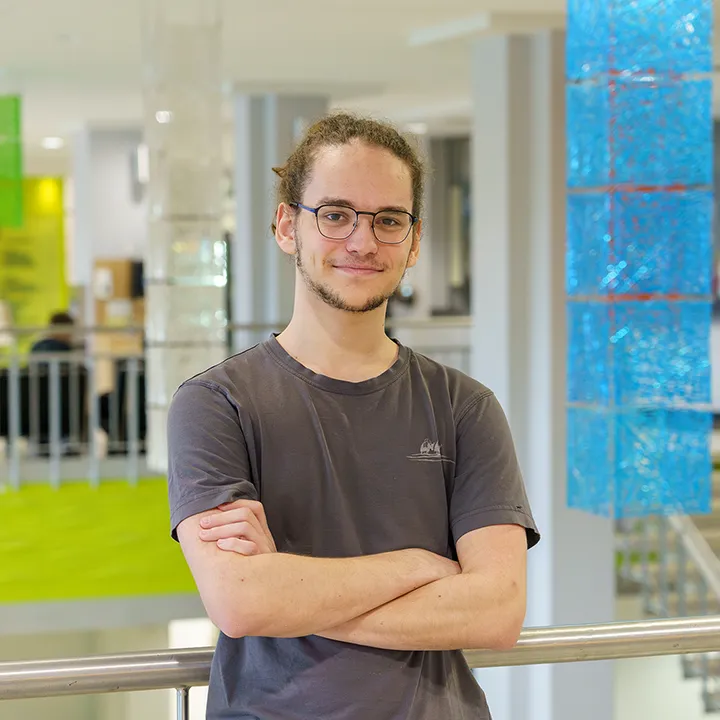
{"x": 458, "y": 612}
{"x": 280, "y": 595}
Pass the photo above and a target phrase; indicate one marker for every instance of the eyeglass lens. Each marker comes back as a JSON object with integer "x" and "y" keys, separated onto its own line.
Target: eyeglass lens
{"x": 337, "y": 223}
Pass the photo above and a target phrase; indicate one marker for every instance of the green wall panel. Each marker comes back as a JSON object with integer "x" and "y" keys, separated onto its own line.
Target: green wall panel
{"x": 11, "y": 166}
{"x": 80, "y": 542}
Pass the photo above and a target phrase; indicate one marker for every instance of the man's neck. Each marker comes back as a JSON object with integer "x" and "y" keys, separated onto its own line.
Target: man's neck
{"x": 339, "y": 344}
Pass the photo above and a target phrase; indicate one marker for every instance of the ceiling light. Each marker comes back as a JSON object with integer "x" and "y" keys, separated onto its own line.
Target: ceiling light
{"x": 53, "y": 143}
{"x": 163, "y": 116}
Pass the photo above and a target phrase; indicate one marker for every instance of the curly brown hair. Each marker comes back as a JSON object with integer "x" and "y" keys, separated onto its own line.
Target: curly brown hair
{"x": 339, "y": 129}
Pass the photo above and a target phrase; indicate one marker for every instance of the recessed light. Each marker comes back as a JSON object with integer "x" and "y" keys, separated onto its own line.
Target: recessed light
{"x": 164, "y": 116}
{"x": 53, "y": 143}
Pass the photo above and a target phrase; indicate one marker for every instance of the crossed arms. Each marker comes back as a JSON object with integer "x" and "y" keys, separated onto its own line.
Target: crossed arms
{"x": 404, "y": 600}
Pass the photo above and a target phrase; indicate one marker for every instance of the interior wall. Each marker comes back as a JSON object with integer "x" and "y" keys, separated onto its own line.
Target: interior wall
{"x": 109, "y": 220}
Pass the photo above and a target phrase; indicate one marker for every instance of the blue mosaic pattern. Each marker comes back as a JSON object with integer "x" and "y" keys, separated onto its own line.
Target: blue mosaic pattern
{"x": 590, "y": 483}
{"x": 663, "y": 462}
{"x": 639, "y": 354}
{"x": 648, "y": 36}
{"x": 590, "y": 356}
{"x": 639, "y": 255}
{"x": 588, "y": 38}
{"x": 638, "y": 243}
{"x": 588, "y": 127}
{"x": 638, "y": 132}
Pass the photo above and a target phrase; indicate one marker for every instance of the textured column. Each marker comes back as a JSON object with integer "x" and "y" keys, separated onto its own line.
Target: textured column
{"x": 639, "y": 255}
{"x": 186, "y": 269}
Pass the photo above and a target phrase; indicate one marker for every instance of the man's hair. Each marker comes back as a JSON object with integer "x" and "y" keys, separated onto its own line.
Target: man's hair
{"x": 61, "y": 318}
{"x": 340, "y": 129}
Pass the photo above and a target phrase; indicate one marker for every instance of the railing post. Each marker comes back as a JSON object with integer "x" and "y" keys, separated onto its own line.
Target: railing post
{"x": 14, "y": 421}
{"x": 646, "y": 586}
{"x": 663, "y": 552}
{"x": 183, "y": 703}
{"x": 681, "y": 576}
{"x": 132, "y": 420}
{"x": 75, "y": 408}
{"x": 55, "y": 435}
{"x": 34, "y": 394}
{"x": 93, "y": 423}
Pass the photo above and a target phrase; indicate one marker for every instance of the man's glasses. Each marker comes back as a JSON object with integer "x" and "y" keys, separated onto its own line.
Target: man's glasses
{"x": 338, "y": 222}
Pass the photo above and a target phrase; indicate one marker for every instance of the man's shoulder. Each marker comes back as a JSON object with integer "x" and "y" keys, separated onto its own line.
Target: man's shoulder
{"x": 462, "y": 390}
{"x": 238, "y": 373}
{"x": 50, "y": 345}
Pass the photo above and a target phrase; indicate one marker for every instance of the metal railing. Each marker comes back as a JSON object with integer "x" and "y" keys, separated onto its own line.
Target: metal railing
{"x": 677, "y": 573}
{"x": 60, "y": 419}
{"x": 183, "y": 669}
{"x": 81, "y": 414}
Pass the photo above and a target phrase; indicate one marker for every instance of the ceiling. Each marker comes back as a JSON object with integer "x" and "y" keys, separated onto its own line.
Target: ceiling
{"x": 78, "y": 62}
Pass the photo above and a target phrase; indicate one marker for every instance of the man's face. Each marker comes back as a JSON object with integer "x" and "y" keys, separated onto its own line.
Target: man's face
{"x": 357, "y": 274}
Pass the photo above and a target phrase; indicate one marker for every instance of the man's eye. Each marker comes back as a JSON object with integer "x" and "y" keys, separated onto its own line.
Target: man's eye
{"x": 335, "y": 216}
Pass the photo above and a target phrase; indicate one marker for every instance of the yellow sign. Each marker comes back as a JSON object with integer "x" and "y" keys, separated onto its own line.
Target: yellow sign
{"x": 33, "y": 284}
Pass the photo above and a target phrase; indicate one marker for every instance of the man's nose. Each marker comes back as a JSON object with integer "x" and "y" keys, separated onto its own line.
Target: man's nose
{"x": 363, "y": 240}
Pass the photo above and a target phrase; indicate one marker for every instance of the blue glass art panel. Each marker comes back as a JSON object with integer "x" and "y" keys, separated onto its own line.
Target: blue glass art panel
{"x": 639, "y": 255}
{"x": 660, "y": 352}
{"x": 650, "y": 354}
{"x": 588, "y": 123}
{"x": 657, "y": 36}
{"x": 664, "y": 463}
{"x": 660, "y": 243}
{"x": 662, "y": 132}
{"x": 588, "y": 240}
{"x": 624, "y": 37}
{"x": 663, "y": 241}
{"x": 590, "y": 369}
{"x": 590, "y": 471}
{"x": 587, "y": 38}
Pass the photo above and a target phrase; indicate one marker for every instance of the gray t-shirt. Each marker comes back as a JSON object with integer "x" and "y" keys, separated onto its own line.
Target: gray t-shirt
{"x": 415, "y": 457}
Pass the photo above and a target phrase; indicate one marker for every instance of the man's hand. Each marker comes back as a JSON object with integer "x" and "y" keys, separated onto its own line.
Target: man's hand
{"x": 240, "y": 527}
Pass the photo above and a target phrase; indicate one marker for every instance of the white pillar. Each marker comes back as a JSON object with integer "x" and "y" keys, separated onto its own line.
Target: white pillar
{"x": 519, "y": 348}
{"x": 186, "y": 270}
{"x": 267, "y": 128}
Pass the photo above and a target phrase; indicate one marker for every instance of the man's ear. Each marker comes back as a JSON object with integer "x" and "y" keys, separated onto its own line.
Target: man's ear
{"x": 285, "y": 229}
{"x": 416, "y": 234}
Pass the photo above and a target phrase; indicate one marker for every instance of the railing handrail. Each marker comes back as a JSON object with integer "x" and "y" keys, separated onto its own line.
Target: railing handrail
{"x": 399, "y": 322}
{"x": 188, "y": 668}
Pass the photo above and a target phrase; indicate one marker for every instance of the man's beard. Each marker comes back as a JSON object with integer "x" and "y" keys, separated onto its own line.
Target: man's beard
{"x": 332, "y": 297}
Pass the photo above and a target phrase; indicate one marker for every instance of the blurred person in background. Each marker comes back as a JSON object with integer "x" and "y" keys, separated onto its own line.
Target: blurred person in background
{"x": 59, "y": 337}
{"x": 353, "y": 512}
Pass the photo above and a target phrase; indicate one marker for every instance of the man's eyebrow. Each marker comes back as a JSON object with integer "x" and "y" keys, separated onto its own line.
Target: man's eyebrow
{"x": 347, "y": 203}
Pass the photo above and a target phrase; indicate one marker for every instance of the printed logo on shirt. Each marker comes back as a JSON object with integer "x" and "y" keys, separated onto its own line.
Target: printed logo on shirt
{"x": 430, "y": 452}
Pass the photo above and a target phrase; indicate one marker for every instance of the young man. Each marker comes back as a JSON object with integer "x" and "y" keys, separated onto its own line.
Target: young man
{"x": 352, "y": 512}
{"x": 59, "y": 337}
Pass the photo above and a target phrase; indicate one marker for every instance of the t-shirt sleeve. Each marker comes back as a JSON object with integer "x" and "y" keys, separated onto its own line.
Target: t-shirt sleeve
{"x": 488, "y": 488}
{"x": 208, "y": 462}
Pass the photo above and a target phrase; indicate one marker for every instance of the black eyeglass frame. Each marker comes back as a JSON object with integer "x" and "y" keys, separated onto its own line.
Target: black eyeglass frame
{"x": 358, "y": 213}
